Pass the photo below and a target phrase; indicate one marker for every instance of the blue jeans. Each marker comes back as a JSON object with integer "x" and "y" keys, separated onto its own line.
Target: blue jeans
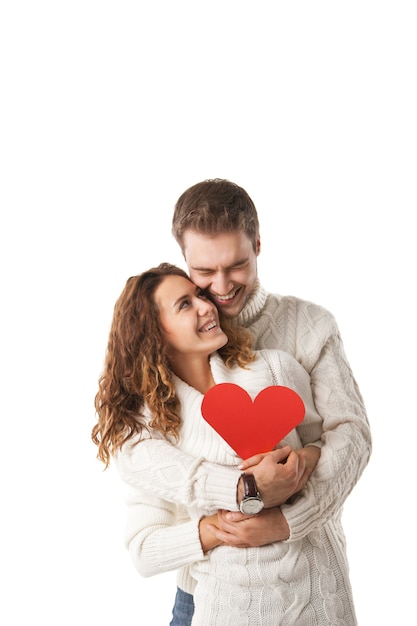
{"x": 183, "y": 610}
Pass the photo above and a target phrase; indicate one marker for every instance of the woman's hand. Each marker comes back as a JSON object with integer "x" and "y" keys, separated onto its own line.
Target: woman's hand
{"x": 208, "y": 538}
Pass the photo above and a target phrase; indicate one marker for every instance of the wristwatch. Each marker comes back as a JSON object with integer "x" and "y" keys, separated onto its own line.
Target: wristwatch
{"x": 251, "y": 503}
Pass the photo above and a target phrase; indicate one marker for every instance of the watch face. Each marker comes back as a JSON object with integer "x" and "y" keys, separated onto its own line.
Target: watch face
{"x": 251, "y": 506}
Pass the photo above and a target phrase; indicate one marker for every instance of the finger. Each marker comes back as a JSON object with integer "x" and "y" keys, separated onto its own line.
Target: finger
{"x": 281, "y": 454}
{"x": 251, "y": 461}
{"x": 292, "y": 461}
{"x": 302, "y": 464}
{"x": 235, "y": 516}
{"x": 298, "y": 467}
{"x": 301, "y": 483}
{"x": 278, "y": 455}
{"x": 223, "y": 536}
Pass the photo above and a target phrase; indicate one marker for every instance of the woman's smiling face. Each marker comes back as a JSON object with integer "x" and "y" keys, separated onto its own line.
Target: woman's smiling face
{"x": 189, "y": 320}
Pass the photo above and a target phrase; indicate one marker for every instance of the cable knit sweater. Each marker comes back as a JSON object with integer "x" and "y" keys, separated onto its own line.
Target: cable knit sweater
{"x": 303, "y": 580}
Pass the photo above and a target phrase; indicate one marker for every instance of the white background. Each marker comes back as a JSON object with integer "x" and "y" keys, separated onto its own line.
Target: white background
{"x": 109, "y": 110}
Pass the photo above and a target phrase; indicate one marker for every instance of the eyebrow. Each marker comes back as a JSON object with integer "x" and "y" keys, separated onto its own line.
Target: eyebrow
{"x": 229, "y": 267}
{"x": 185, "y": 296}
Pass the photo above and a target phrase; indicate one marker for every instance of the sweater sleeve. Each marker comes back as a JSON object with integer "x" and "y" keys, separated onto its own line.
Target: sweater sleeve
{"x": 346, "y": 443}
{"x": 287, "y": 371}
{"x": 158, "y": 536}
{"x": 156, "y": 466}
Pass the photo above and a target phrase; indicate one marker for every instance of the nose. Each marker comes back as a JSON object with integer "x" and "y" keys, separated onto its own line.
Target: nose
{"x": 204, "y": 307}
{"x": 221, "y": 284}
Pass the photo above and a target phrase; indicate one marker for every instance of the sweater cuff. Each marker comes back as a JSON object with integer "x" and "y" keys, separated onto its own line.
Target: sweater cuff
{"x": 178, "y": 546}
{"x": 220, "y": 488}
{"x": 301, "y": 513}
{"x": 318, "y": 444}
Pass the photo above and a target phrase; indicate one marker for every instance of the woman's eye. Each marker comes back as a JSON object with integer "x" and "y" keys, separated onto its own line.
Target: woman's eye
{"x": 202, "y": 294}
{"x": 184, "y": 304}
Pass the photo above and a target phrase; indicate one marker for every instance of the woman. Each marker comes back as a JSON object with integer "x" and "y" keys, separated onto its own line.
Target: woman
{"x": 166, "y": 350}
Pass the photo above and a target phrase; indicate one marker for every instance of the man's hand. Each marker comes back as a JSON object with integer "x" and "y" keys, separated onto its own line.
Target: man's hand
{"x": 281, "y": 473}
{"x": 311, "y": 455}
{"x": 248, "y": 531}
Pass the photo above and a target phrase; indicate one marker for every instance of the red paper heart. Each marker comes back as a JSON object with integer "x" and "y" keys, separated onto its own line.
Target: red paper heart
{"x": 252, "y": 427}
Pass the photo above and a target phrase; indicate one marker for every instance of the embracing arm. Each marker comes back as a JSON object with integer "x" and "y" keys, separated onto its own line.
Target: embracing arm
{"x": 346, "y": 442}
{"x": 161, "y": 537}
{"x": 161, "y": 469}
{"x": 270, "y": 525}
{"x": 333, "y": 468}
{"x": 156, "y": 466}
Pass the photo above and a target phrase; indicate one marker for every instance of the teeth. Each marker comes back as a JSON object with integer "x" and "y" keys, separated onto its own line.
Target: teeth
{"x": 225, "y": 298}
{"x": 208, "y": 326}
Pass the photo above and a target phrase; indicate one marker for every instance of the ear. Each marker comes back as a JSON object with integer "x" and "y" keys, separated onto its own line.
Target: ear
{"x": 258, "y": 245}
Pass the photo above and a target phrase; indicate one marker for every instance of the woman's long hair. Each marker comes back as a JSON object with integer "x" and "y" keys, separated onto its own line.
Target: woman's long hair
{"x": 137, "y": 369}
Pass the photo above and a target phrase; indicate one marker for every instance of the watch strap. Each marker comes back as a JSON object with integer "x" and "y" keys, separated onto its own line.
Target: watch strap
{"x": 249, "y": 486}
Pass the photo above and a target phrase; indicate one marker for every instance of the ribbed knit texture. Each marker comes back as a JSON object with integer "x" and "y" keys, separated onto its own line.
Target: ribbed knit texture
{"x": 302, "y": 581}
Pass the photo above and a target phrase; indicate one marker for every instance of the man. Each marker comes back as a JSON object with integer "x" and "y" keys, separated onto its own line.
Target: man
{"x": 215, "y": 223}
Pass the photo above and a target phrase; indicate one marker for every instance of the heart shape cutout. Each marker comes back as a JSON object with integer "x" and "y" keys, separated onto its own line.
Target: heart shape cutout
{"x": 252, "y": 427}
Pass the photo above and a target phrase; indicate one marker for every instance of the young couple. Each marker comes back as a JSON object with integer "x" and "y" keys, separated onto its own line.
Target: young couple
{"x": 168, "y": 346}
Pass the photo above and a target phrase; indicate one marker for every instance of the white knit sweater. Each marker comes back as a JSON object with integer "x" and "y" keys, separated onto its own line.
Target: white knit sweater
{"x": 305, "y": 579}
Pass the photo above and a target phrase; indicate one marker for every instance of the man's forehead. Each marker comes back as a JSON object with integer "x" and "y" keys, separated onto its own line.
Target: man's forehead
{"x": 218, "y": 251}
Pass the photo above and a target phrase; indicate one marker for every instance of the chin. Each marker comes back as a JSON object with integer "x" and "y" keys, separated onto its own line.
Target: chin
{"x": 234, "y": 309}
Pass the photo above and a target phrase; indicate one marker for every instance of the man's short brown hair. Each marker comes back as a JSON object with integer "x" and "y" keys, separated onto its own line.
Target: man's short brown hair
{"x": 215, "y": 206}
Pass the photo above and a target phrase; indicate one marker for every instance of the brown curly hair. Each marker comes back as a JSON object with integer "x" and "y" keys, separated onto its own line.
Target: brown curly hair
{"x": 137, "y": 369}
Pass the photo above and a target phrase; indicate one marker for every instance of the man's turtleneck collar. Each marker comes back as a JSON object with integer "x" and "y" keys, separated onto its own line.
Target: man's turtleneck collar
{"x": 253, "y": 306}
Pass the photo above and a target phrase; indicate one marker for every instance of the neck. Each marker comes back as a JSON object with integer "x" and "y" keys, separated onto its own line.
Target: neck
{"x": 196, "y": 372}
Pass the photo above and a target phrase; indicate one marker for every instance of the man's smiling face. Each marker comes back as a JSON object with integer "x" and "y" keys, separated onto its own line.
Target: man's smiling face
{"x": 225, "y": 265}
